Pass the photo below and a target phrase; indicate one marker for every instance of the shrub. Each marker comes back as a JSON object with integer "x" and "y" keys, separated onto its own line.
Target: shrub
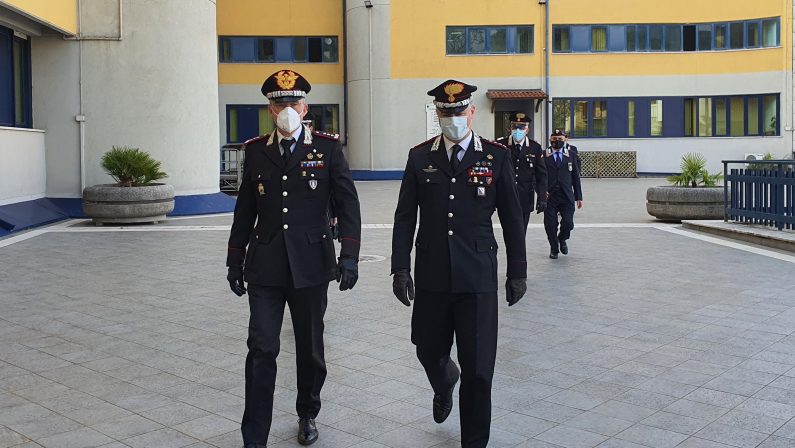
{"x": 131, "y": 167}
{"x": 694, "y": 172}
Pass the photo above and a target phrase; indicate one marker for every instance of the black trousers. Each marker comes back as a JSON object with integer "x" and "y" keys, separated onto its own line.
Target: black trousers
{"x": 307, "y": 307}
{"x": 526, "y": 215}
{"x": 472, "y": 318}
{"x": 557, "y": 205}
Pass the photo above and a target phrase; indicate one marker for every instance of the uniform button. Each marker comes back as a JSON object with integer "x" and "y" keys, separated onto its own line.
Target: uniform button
{"x": 449, "y": 215}
{"x": 324, "y": 237}
{"x": 284, "y": 177}
{"x": 284, "y": 193}
{"x": 452, "y": 180}
{"x": 450, "y": 232}
{"x": 517, "y": 175}
{"x": 427, "y": 180}
{"x": 452, "y": 196}
{"x": 284, "y": 210}
{"x": 285, "y": 226}
{"x": 256, "y": 237}
{"x": 311, "y": 175}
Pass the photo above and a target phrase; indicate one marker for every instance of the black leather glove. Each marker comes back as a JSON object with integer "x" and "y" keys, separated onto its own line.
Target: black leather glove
{"x": 235, "y": 277}
{"x": 403, "y": 287}
{"x": 347, "y": 272}
{"x": 540, "y": 206}
{"x": 515, "y": 289}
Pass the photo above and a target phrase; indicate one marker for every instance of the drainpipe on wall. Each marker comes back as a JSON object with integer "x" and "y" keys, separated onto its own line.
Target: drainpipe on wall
{"x": 80, "y": 118}
{"x": 548, "y": 102}
{"x": 369, "y": 7}
{"x": 345, "y": 72}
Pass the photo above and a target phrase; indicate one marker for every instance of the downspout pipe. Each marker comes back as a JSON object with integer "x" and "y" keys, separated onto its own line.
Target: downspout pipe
{"x": 345, "y": 71}
{"x": 546, "y": 73}
{"x": 370, "y": 81}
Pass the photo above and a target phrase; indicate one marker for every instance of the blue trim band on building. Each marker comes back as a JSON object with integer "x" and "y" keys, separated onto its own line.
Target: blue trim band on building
{"x": 39, "y": 212}
{"x": 376, "y": 175}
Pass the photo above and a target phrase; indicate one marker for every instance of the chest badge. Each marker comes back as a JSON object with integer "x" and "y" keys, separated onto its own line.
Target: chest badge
{"x": 430, "y": 169}
{"x": 310, "y": 156}
{"x": 261, "y": 189}
{"x": 570, "y": 167}
{"x": 481, "y": 192}
{"x": 313, "y": 183}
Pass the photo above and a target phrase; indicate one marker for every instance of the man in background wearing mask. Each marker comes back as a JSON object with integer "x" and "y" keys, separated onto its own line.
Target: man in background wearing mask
{"x": 457, "y": 179}
{"x": 528, "y": 164}
{"x": 563, "y": 168}
{"x": 281, "y": 217}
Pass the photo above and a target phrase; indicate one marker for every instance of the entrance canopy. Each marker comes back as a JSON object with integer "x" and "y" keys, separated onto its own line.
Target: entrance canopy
{"x": 517, "y": 94}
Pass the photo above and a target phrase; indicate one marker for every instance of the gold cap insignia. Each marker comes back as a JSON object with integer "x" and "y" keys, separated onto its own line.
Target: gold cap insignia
{"x": 286, "y": 79}
{"x": 452, "y": 90}
{"x": 489, "y": 156}
{"x": 520, "y": 116}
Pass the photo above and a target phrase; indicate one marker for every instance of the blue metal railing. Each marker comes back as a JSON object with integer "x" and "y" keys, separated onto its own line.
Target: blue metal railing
{"x": 761, "y": 192}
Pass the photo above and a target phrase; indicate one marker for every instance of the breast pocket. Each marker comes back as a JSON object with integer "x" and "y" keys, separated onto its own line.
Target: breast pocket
{"x": 316, "y": 182}
{"x": 261, "y": 181}
{"x": 427, "y": 178}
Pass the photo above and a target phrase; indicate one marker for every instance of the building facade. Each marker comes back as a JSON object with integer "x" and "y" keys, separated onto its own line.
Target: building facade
{"x": 78, "y": 77}
{"x": 658, "y": 78}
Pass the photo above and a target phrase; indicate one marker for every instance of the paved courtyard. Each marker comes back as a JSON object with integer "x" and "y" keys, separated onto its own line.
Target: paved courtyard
{"x": 645, "y": 336}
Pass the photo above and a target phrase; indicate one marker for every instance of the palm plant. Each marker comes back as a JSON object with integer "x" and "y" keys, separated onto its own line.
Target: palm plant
{"x": 694, "y": 172}
{"x": 131, "y": 167}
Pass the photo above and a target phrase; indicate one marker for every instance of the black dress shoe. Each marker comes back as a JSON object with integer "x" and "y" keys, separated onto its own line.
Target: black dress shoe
{"x": 307, "y": 431}
{"x": 443, "y": 404}
{"x": 564, "y": 248}
{"x": 553, "y": 255}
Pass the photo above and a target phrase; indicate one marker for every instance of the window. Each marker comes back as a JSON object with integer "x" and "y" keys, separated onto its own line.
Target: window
{"x": 770, "y": 33}
{"x": 770, "y": 114}
{"x": 753, "y": 116}
{"x": 247, "y": 121}
{"x": 673, "y": 38}
{"x": 690, "y": 117}
{"x": 560, "y": 39}
{"x": 266, "y": 51}
{"x": 655, "y": 37}
{"x": 456, "y": 40}
{"x": 278, "y": 49}
{"x": 656, "y": 118}
{"x": 581, "y": 119}
{"x": 631, "y": 32}
{"x": 643, "y": 38}
{"x": 720, "y": 37}
{"x": 598, "y": 38}
{"x": 524, "y": 39}
{"x": 15, "y": 84}
{"x": 721, "y": 116}
{"x": 600, "y": 118}
{"x": 752, "y": 34}
{"x": 737, "y": 113}
{"x": 489, "y": 40}
{"x": 326, "y": 117}
{"x": 721, "y": 124}
{"x": 580, "y": 38}
{"x": 705, "y": 117}
{"x": 477, "y": 40}
{"x": 498, "y": 40}
{"x": 561, "y": 115}
{"x": 736, "y": 35}
{"x": 689, "y": 38}
{"x": 704, "y": 37}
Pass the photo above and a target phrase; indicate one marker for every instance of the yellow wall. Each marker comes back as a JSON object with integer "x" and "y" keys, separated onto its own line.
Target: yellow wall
{"x": 418, "y": 38}
{"x": 61, "y": 14}
{"x": 422, "y": 54}
{"x": 280, "y": 18}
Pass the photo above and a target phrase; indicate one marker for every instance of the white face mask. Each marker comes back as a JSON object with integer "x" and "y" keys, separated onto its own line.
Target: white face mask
{"x": 455, "y": 128}
{"x": 288, "y": 120}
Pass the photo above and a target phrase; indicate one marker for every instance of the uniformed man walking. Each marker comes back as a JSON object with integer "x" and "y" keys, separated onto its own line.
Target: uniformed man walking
{"x": 457, "y": 180}
{"x": 528, "y": 164}
{"x": 280, "y": 216}
{"x": 563, "y": 168}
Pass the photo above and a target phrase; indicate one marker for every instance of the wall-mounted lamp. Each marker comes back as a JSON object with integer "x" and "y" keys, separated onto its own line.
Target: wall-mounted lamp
{"x": 368, "y": 4}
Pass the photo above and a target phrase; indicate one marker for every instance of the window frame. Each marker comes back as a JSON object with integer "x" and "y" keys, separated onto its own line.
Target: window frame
{"x": 256, "y": 41}
{"x": 561, "y": 28}
{"x": 8, "y": 66}
{"x": 606, "y": 29}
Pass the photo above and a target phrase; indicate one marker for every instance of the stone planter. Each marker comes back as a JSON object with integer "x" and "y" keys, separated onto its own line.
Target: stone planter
{"x": 112, "y": 204}
{"x": 678, "y": 203}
